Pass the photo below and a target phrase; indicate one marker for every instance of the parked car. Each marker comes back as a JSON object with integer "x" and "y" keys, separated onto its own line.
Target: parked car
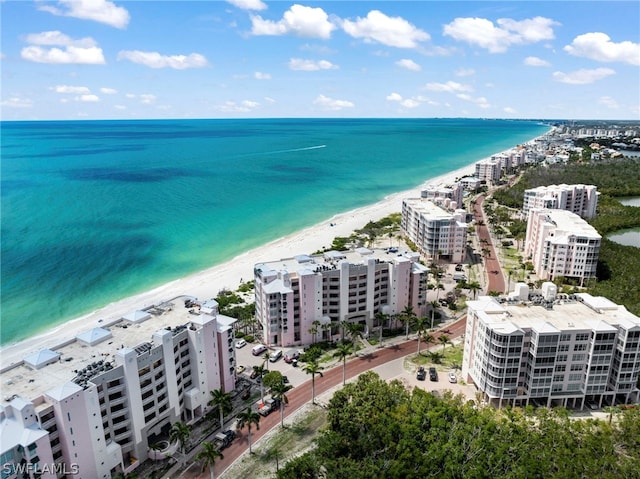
{"x": 275, "y": 355}
{"x": 433, "y": 374}
{"x": 452, "y": 377}
{"x": 255, "y": 373}
{"x": 224, "y": 439}
{"x": 258, "y": 349}
{"x": 291, "y": 355}
{"x": 240, "y": 343}
{"x": 459, "y": 267}
{"x": 240, "y": 369}
{"x": 421, "y": 374}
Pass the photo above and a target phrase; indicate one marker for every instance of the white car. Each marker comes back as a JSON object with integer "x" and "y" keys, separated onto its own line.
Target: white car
{"x": 240, "y": 343}
{"x": 452, "y": 377}
{"x": 274, "y": 356}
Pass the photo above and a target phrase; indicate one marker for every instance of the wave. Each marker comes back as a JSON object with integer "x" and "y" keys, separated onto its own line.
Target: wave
{"x": 277, "y": 152}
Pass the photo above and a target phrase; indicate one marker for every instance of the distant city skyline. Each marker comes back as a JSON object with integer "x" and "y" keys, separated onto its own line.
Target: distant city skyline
{"x": 97, "y": 59}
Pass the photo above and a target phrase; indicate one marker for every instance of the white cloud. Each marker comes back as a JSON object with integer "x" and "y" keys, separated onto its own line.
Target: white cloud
{"x": 509, "y": 110}
{"x": 248, "y": 4}
{"x": 480, "y": 101}
{"x": 409, "y": 65}
{"x": 76, "y": 90}
{"x": 262, "y": 76}
{"x": 608, "y": 102}
{"x": 465, "y": 72}
{"x": 498, "y": 38}
{"x": 583, "y": 76}
{"x": 108, "y": 91}
{"x": 310, "y": 65}
{"x": 130, "y": 95}
{"x": 56, "y": 37}
{"x": 243, "y": 106}
{"x": 147, "y": 98}
{"x": 327, "y": 103}
{"x": 598, "y": 46}
{"x": 390, "y": 31}
{"x": 268, "y": 99}
{"x": 101, "y": 11}
{"x": 536, "y": 62}
{"x": 17, "y": 102}
{"x": 449, "y": 87}
{"x": 156, "y": 60}
{"x": 71, "y": 54}
{"x": 394, "y": 97}
{"x": 410, "y": 103}
{"x": 120, "y": 107}
{"x": 298, "y": 20}
{"x": 87, "y": 98}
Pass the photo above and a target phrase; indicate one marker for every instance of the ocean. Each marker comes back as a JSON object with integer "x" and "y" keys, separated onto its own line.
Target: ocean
{"x": 95, "y": 211}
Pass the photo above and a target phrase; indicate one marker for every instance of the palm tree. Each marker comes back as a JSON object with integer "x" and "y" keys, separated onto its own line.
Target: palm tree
{"x": 444, "y": 340}
{"x": 266, "y": 360}
{"x": 208, "y": 455}
{"x": 342, "y": 352}
{"x": 354, "y": 330}
{"x": 179, "y": 433}
{"x": 407, "y": 317}
{"x": 260, "y": 369}
{"x": 314, "y": 330}
{"x": 222, "y": 401}
{"x": 380, "y": 317}
{"x": 474, "y": 287}
{"x": 249, "y": 418}
{"x": 313, "y": 368}
{"x": 278, "y": 391}
{"x": 434, "y": 305}
{"x": 421, "y": 322}
{"x": 428, "y": 338}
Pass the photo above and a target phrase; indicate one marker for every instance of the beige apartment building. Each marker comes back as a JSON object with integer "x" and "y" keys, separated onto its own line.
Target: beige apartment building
{"x": 579, "y": 199}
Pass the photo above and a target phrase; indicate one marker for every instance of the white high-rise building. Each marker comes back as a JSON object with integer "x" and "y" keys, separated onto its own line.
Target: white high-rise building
{"x": 558, "y": 351}
{"x": 436, "y": 232}
{"x": 302, "y": 299}
{"x": 488, "y": 170}
{"x": 93, "y": 406}
{"x": 450, "y": 197}
{"x": 579, "y": 199}
{"x": 560, "y": 243}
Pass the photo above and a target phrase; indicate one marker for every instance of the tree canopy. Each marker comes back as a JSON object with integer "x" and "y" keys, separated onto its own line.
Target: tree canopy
{"x": 379, "y": 429}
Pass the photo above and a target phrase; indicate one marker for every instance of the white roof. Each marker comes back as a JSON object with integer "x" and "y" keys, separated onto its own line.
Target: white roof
{"x": 41, "y": 358}
{"x": 94, "y": 336}
{"x": 137, "y": 316}
{"x": 63, "y": 392}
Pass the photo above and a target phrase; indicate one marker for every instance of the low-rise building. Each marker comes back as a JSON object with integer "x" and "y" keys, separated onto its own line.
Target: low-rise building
{"x": 114, "y": 391}
{"x": 548, "y": 350}
{"x": 438, "y": 234}
{"x": 450, "y": 197}
{"x": 308, "y": 297}
{"x": 560, "y": 243}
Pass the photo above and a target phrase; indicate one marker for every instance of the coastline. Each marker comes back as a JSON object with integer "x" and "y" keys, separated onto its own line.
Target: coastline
{"x": 206, "y": 283}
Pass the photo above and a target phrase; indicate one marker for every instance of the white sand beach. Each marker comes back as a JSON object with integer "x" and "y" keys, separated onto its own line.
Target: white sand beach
{"x": 207, "y": 283}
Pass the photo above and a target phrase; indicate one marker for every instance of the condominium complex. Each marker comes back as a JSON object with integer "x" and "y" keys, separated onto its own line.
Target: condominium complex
{"x": 553, "y": 350}
{"x": 450, "y": 197}
{"x": 488, "y": 171}
{"x": 95, "y": 405}
{"x": 579, "y": 199}
{"x": 436, "y": 232}
{"x": 560, "y": 243}
{"x": 301, "y": 299}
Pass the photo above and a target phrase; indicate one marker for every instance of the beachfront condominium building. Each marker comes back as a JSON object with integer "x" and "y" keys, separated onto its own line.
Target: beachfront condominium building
{"x": 450, "y": 197}
{"x": 101, "y": 403}
{"x": 302, "y": 299}
{"x": 489, "y": 171}
{"x": 557, "y": 350}
{"x": 560, "y": 243}
{"x": 579, "y": 199}
{"x": 438, "y": 234}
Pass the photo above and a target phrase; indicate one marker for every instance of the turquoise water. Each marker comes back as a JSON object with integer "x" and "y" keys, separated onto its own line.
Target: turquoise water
{"x": 95, "y": 211}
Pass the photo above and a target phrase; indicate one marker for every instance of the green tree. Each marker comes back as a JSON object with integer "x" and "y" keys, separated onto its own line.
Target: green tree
{"x": 248, "y": 418}
{"x": 434, "y": 305}
{"x": 354, "y": 330}
{"x": 260, "y": 373}
{"x": 444, "y": 340}
{"x": 222, "y": 401}
{"x": 179, "y": 433}
{"x": 474, "y": 287}
{"x": 343, "y": 351}
{"x": 408, "y": 316}
{"x": 421, "y": 325}
{"x": 208, "y": 455}
{"x": 313, "y": 368}
{"x": 279, "y": 391}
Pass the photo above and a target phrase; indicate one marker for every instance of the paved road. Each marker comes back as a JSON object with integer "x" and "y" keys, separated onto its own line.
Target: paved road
{"x": 492, "y": 265}
{"x": 301, "y": 394}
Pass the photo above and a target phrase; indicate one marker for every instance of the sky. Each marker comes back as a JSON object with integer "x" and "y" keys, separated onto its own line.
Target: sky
{"x": 146, "y": 59}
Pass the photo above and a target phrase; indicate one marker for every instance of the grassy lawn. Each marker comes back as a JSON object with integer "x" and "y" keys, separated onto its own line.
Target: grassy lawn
{"x": 451, "y": 357}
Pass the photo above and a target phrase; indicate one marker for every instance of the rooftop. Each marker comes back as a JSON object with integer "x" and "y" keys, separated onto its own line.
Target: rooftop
{"x": 76, "y": 355}
{"x": 570, "y": 223}
{"x": 573, "y": 312}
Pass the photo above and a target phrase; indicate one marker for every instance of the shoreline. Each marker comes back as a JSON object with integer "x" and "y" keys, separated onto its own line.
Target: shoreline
{"x": 206, "y": 284}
